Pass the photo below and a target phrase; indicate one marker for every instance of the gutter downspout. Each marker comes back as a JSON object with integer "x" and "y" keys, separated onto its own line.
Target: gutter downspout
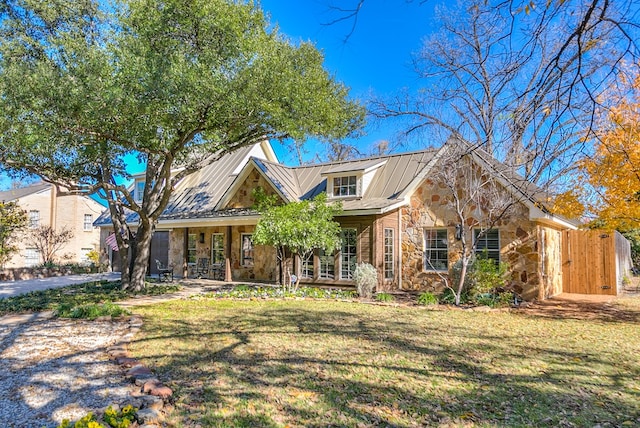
{"x": 53, "y": 207}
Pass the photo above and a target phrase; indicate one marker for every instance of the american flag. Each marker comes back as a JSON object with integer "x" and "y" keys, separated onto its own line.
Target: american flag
{"x": 111, "y": 241}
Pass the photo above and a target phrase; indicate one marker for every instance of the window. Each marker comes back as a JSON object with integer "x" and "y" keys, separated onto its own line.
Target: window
{"x": 348, "y": 253}
{"x": 388, "y": 254}
{"x": 327, "y": 265}
{"x": 246, "y": 255}
{"x": 31, "y": 257}
{"x": 34, "y": 219}
{"x": 345, "y": 186}
{"x": 488, "y": 240}
{"x": 307, "y": 266}
{"x": 217, "y": 249}
{"x": 191, "y": 248}
{"x": 139, "y": 191}
{"x": 436, "y": 249}
{"x": 88, "y": 222}
{"x": 84, "y": 255}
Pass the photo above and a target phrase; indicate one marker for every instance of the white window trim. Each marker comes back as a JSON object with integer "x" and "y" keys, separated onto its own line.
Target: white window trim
{"x": 384, "y": 254}
{"x": 212, "y": 248}
{"x": 428, "y": 267}
{"x": 478, "y": 251}
{"x": 331, "y": 190}
{"x": 253, "y": 249}
{"x": 87, "y": 227}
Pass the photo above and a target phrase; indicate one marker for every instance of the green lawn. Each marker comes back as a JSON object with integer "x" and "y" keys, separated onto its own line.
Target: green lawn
{"x": 325, "y": 363}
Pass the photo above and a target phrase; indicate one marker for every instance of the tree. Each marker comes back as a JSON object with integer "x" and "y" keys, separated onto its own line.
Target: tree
{"x": 48, "y": 241}
{"x": 13, "y": 220}
{"x": 298, "y": 227}
{"x": 177, "y": 83}
{"x": 613, "y": 171}
{"x": 523, "y": 86}
{"x": 476, "y": 199}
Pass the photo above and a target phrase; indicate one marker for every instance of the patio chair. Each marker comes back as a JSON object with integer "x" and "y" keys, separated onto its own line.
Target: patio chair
{"x": 202, "y": 267}
{"x": 164, "y": 272}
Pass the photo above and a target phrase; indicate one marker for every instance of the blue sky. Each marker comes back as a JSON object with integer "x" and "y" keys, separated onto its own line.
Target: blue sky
{"x": 376, "y": 59}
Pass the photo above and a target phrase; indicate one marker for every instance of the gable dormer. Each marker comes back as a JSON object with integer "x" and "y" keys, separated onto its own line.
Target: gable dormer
{"x": 349, "y": 181}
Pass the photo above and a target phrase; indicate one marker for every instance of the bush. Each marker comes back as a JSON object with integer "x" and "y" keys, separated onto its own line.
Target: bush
{"x": 113, "y": 419}
{"x": 427, "y": 298}
{"x": 384, "y": 297}
{"x": 90, "y": 311}
{"x": 366, "y": 278}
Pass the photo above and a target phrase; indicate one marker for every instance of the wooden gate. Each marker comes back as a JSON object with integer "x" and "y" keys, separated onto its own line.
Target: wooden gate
{"x": 589, "y": 262}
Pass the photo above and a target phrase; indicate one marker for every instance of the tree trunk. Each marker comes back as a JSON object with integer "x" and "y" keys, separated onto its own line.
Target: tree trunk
{"x": 463, "y": 275}
{"x": 141, "y": 255}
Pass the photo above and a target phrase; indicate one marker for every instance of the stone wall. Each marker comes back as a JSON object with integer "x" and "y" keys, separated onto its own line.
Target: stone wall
{"x": 243, "y": 198}
{"x": 263, "y": 269}
{"x": 429, "y": 208}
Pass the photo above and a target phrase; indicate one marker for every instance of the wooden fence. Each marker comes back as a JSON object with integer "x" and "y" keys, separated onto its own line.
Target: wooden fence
{"x": 594, "y": 262}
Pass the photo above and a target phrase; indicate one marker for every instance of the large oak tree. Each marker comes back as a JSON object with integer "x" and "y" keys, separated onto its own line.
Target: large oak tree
{"x": 177, "y": 83}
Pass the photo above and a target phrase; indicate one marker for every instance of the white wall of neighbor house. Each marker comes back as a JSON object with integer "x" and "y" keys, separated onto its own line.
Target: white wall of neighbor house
{"x": 49, "y": 208}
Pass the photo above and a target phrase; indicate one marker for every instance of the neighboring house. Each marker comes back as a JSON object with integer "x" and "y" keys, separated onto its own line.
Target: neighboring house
{"x": 45, "y": 206}
{"x": 394, "y": 218}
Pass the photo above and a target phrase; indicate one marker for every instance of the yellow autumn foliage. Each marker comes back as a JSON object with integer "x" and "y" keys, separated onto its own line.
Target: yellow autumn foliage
{"x": 614, "y": 168}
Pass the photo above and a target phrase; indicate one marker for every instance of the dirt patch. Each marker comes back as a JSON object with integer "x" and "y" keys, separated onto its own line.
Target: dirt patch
{"x": 623, "y": 308}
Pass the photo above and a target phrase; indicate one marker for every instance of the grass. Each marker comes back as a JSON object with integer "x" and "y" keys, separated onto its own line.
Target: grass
{"x": 298, "y": 363}
{"x": 75, "y": 295}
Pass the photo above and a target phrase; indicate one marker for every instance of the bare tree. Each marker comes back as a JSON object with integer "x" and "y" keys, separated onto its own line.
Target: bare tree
{"x": 522, "y": 79}
{"x": 48, "y": 241}
{"x": 477, "y": 201}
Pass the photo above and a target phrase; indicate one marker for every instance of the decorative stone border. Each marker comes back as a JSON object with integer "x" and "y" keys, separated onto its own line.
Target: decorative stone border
{"x": 151, "y": 397}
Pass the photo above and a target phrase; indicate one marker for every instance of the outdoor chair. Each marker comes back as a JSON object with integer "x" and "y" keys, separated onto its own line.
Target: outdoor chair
{"x": 202, "y": 268}
{"x": 164, "y": 272}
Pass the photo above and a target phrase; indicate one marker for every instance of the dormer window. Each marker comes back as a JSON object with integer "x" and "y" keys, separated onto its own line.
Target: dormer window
{"x": 345, "y": 186}
{"x": 139, "y": 191}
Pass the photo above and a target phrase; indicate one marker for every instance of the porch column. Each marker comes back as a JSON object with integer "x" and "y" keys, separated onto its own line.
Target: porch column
{"x": 185, "y": 251}
{"x": 227, "y": 256}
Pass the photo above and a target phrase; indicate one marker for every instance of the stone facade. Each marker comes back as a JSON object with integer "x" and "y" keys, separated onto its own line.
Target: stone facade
{"x": 429, "y": 208}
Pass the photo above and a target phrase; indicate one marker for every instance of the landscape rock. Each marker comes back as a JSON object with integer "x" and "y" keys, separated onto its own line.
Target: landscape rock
{"x": 148, "y": 416}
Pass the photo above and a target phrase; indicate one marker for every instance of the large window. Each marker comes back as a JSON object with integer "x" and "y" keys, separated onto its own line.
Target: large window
{"x": 487, "y": 242}
{"x": 307, "y": 266}
{"x": 191, "y": 248}
{"x": 34, "y": 219}
{"x": 217, "y": 249}
{"x": 31, "y": 257}
{"x": 88, "y": 222}
{"x": 388, "y": 254}
{"x": 348, "y": 253}
{"x": 246, "y": 251}
{"x": 436, "y": 249}
{"x": 345, "y": 186}
{"x": 327, "y": 265}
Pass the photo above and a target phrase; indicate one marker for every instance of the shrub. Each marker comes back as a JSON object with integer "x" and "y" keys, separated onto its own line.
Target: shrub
{"x": 366, "y": 278}
{"x": 427, "y": 298}
{"x": 90, "y": 311}
{"x": 384, "y": 297}
{"x": 113, "y": 419}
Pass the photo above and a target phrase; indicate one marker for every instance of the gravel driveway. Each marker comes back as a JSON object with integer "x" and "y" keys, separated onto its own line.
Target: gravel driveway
{"x": 55, "y": 369}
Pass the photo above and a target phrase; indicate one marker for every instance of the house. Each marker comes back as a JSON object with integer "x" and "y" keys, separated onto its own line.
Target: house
{"x": 395, "y": 217}
{"x": 46, "y": 206}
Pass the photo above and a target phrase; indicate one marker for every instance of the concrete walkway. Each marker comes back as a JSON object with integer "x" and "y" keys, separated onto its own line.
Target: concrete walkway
{"x": 15, "y": 288}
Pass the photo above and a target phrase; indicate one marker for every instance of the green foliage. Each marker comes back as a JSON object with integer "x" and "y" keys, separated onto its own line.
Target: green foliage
{"x": 12, "y": 220}
{"x": 174, "y": 82}
{"x": 299, "y": 226}
{"x": 384, "y": 297}
{"x": 90, "y": 311}
{"x": 448, "y": 297}
{"x": 76, "y": 295}
{"x": 248, "y": 292}
{"x": 113, "y": 418}
{"x": 366, "y": 279}
{"x": 486, "y": 275}
{"x": 427, "y": 298}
